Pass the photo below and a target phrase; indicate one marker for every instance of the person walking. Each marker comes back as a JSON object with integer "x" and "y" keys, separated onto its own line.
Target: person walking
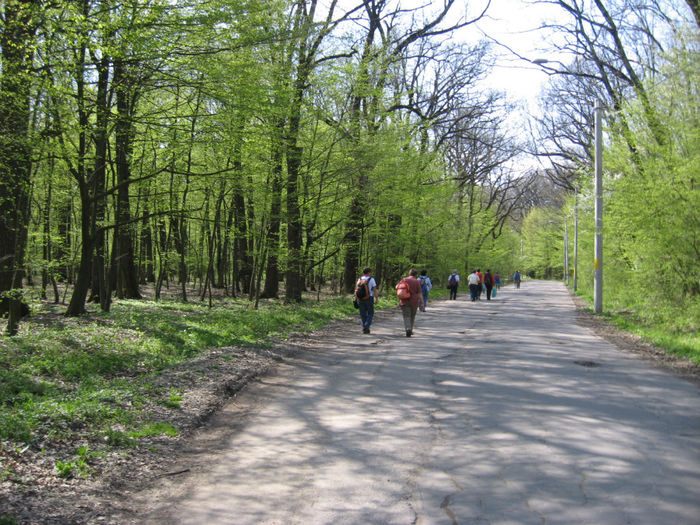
{"x": 481, "y": 284}
{"x": 474, "y": 285}
{"x": 426, "y": 284}
{"x": 488, "y": 283}
{"x": 366, "y": 294}
{"x": 410, "y": 297}
{"x": 516, "y": 278}
{"x": 453, "y": 284}
{"x": 496, "y": 283}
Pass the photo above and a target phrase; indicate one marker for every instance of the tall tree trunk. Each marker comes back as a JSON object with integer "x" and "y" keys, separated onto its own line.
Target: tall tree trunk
{"x": 272, "y": 275}
{"x": 87, "y": 194}
{"x": 15, "y": 151}
{"x": 101, "y": 289}
{"x": 147, "y": 274}
{"x": 242, "y": 254}
{"x": 294, "y": 280}
{"x": 123, "y": 258}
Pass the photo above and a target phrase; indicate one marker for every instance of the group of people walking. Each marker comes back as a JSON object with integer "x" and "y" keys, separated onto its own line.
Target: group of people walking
{"x": 413, "y": 290}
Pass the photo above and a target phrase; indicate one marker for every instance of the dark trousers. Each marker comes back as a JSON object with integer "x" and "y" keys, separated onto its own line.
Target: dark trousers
{"x": 453, "y": 292}
{"x": 474, "y": 291}
{"x": 488, "y": 292}
{"x": 366, "y": 312}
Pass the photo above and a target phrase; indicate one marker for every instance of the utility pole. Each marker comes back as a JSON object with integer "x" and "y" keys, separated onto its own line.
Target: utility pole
{"x": 598, "y": 260}
{"x": 575, "y": 239}
{"x": 566, "y": 250}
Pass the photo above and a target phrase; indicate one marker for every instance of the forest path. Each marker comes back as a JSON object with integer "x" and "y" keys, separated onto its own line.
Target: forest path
{"x": 493, "y": 412}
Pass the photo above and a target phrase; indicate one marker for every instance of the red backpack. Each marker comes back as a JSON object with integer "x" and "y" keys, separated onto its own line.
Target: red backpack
{"x": 403, "y": 291}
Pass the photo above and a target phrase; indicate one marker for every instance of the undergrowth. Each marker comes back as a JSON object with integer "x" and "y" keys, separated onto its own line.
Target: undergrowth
{"x": 91, "y": 376}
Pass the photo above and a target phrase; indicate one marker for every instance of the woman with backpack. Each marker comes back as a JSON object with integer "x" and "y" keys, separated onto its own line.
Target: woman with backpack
{"x": 410, "y": 295}
{"x": 425, "y": 284}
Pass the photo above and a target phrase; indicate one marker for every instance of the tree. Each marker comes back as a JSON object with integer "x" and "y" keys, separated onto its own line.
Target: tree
{"x": 19, "y": 24}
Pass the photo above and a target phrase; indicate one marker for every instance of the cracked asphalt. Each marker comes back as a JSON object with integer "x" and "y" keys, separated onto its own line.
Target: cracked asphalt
{"x": 500, "y": 412}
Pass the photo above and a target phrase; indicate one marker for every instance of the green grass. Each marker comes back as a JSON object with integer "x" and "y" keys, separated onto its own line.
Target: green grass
{"x": 674, "y": 327}
{"x": 679, "y": 343}
{"x": 60, "y": 377}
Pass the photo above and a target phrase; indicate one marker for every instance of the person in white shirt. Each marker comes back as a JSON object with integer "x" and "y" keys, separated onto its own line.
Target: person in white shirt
{"x": 474, "y": 285}
{"x": 366, "y": 304}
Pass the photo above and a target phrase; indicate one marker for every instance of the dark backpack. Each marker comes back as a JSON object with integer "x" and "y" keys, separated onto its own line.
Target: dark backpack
{"x": 362, "y": 289}
{"x": 452, "y": 281}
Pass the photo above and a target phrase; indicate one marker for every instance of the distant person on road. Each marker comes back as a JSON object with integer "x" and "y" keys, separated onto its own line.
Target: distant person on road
{"x": 488, "y": 283}
{"x": 453, "y": 284}
{"x": 516, "y": 278}
{"x": 481, "y": 284}
{"x": 410, "y": 297}
{"x": 496, "y": 283}
{"x": 366, "y": 294}
{"x": 426, "y": 284}
{"x": 474, "y": 285}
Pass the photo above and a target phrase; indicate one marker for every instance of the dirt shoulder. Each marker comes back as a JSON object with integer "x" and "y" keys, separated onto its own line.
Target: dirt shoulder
{"x": 35, "y": 495}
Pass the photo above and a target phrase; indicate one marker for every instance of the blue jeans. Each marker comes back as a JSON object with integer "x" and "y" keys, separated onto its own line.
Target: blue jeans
{"x": 366, "y": 311}
{"x": 425, "y": 297}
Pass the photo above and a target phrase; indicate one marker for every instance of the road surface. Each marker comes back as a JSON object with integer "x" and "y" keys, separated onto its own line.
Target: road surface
{"x": 500, "y": 412}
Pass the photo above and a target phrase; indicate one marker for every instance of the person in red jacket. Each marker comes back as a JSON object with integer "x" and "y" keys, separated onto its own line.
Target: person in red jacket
{"x": 411, "y": 303}
{"x": 481, "y": 284}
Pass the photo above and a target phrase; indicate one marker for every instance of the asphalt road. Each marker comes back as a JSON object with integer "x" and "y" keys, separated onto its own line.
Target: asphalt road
{"x": 500, "y": 412}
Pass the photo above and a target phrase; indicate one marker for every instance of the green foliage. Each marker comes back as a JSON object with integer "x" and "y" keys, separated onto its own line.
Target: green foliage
{"x": 154, "y": 429}
{"x": 78, "y": 466}
{"x": 543, "y": 236}
{"x": 651, "y": 268}
{"x": 654, "y": 203}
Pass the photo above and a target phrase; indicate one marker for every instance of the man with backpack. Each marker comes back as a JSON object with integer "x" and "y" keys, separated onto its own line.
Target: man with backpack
{"x": 488, "y": 282}
{"x": 366, "y": 295}
{"x": 453, "y": 284}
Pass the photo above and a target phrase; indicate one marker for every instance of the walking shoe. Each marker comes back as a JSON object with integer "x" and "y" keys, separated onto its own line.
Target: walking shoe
{"x": 365, "y": 331}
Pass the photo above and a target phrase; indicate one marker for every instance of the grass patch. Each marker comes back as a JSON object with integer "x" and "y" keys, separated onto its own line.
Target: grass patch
{"x": 681, "y": 344}
{"x": 154, "y": 429}
{"x": 671, "y": 327}
{"x": 78, "y": 466}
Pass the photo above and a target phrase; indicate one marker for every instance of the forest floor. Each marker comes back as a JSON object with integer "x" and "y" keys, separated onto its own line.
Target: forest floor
{"x": 36, "y": 495}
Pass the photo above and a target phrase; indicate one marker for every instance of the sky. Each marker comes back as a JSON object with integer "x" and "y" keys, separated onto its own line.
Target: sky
{"x": 514, "y": 24}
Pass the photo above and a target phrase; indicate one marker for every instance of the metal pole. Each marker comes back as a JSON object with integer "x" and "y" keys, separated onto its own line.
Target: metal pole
{"x": 575, "y": 239}
{"x": 566, "y": 250}
{"x": 598, "y": 260}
